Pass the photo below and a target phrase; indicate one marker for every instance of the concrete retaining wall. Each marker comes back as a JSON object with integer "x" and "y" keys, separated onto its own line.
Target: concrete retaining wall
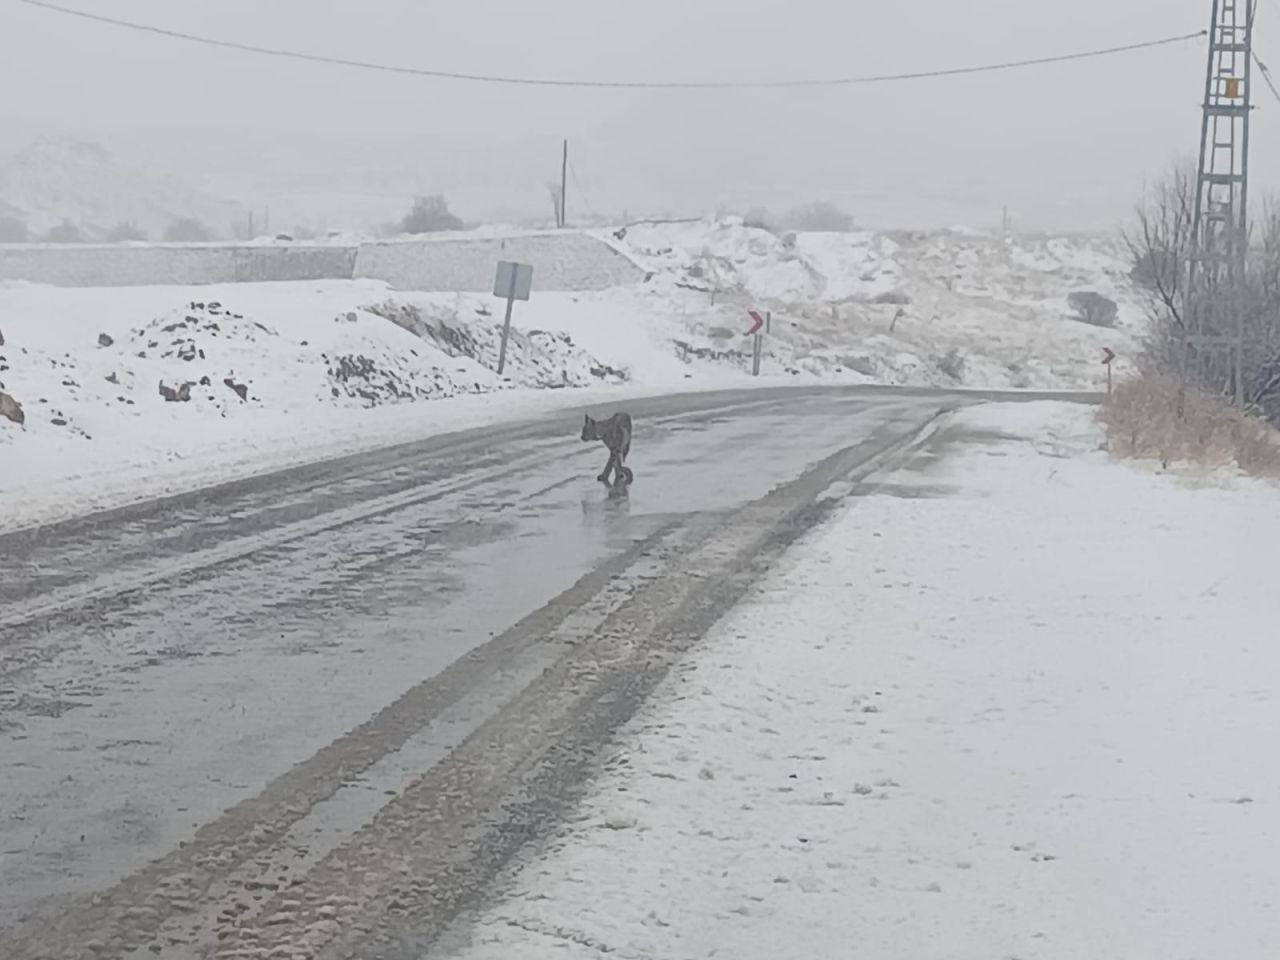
{"x": 127, "y": 265}
{"x": 561, "y": 261}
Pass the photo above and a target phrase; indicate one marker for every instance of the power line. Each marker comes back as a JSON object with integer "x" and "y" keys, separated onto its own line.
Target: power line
{"x": 586, "y": 201}
{"x": 611, "y": 84}
{"x": 1266, "y": 75}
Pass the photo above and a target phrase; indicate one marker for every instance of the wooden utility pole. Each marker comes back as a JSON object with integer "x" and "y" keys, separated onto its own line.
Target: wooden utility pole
{"x": 564, "y": 182}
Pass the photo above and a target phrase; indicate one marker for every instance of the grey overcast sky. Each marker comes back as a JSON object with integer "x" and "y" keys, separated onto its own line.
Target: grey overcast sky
{"x": 1064, "y": 146}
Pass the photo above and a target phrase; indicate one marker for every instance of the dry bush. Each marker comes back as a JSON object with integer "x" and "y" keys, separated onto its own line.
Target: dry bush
{"x": 65, "y": 232}
{"x": 430, "y": 215}
{"x": 1161, "y": 245}
{"x": 187, "y": 230}
{"x": 1093, "y": 308}
{"x": 953, "y": 364}
{"x": 759, "y": 218}
{"x": 1152, "y": 417}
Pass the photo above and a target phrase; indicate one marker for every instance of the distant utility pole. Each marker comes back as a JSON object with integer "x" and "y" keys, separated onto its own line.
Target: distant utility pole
{"x": 1215, "y": 308}
{"x": 564, "y": 183}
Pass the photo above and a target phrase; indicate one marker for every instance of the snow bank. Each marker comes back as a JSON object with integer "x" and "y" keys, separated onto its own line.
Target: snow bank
{"x": 141, "y": 391}
{"x": 1010, "y": 704}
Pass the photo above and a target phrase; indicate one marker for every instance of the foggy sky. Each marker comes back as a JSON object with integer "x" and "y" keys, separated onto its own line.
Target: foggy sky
{"x": 1064, "y": 146}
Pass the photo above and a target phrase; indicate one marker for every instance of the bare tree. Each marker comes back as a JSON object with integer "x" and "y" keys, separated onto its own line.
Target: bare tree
{"x": 1161, "y": 243}
{"x": 65, "y": 232}
{"x": 1161, "y": 246}
{"x": 187, "y": 230}
{"x": 430, "y": 215}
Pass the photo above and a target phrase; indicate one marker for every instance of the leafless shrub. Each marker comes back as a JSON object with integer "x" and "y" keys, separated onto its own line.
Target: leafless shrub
{"x": 758, "y": 218}
{"x": 187, "y": 230}
{"x": 1154, "y": 417}
{"x": 1161, "y": 245}
{"x": 952, "y": 364}
{"x": 1093, "y": 308}
{"x": 65, "y": 232}
{"x": 430, "y": 215}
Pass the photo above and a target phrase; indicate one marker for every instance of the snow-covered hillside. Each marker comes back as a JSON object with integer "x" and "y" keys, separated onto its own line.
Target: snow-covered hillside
{"x": 56, "y": 179}
{"x": 953, "y": 308}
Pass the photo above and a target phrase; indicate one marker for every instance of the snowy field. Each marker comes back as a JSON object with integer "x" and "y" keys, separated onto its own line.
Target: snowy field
{"x": 133, "y": 392}
{"x": 1015, "y": 701}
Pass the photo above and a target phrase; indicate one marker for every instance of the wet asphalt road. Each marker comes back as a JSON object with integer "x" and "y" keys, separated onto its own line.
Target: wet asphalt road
{"x": 166, "y": 662}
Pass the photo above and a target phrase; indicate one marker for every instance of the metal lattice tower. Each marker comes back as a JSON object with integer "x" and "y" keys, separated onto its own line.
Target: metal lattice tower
{"x": 1215, "y": 311}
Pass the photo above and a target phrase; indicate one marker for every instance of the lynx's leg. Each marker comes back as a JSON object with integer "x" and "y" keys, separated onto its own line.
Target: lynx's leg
{"x": 623, "y": 473}
{"x": 609, "y": 466}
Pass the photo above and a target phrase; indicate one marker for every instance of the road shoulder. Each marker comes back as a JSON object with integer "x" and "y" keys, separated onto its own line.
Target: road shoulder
{"x": 1008, "y": 703}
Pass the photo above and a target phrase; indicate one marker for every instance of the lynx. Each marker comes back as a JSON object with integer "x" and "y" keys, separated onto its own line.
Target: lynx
{"x": 614, "y": 433}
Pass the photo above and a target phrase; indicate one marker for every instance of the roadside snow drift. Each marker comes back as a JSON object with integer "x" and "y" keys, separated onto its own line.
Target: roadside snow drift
{"x": 1010, "y": 703}
{"x": 124, "y": 387}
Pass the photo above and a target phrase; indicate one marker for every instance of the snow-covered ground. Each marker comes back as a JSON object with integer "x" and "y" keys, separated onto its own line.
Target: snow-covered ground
{"x": 325, "y": 368}
{"x": 1016, "y": 701}
{"x": 948, "y": 308}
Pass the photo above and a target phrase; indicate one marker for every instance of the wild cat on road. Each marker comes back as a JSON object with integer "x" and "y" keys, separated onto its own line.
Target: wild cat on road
{"x": 614, "y": 433}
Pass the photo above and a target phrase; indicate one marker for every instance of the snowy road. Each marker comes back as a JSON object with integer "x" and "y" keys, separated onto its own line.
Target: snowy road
{"x": 304, "y": 707}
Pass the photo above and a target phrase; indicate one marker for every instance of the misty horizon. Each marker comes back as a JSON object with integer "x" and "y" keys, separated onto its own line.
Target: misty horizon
{"x": 1063, "y": 147}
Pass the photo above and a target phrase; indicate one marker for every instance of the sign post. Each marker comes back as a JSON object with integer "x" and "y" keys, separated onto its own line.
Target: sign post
{"x": 512, "y": 282}
{"x": 1108, "y": 355}
{"x": 757, "y": 340}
